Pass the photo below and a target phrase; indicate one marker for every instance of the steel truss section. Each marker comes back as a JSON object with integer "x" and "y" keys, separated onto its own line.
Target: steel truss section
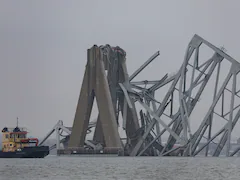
{"x": 63, "y": 134}
{"x": 176, "y": 114}
{"x": 189, "y": 87}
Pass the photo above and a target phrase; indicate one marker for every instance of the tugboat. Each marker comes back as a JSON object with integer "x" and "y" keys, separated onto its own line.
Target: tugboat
{"x": 15, "y": 144}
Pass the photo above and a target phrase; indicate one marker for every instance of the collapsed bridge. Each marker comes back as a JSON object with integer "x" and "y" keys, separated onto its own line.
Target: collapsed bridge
{"x": 146, "y": 118}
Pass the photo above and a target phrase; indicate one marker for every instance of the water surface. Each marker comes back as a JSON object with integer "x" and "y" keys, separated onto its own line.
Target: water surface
{"x": 134, "y": 168}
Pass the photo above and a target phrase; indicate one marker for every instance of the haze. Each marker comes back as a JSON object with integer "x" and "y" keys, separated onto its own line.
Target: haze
{"x": 43, "y": 47}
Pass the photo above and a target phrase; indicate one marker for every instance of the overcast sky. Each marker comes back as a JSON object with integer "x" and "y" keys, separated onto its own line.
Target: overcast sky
{"x": 43, "y": 47}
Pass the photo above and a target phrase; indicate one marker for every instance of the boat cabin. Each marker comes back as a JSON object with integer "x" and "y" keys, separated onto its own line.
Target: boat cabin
{"x": 14, "y": 139}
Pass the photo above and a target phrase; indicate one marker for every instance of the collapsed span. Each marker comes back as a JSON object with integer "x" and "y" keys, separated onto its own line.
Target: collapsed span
{"x": 195, "y": 113}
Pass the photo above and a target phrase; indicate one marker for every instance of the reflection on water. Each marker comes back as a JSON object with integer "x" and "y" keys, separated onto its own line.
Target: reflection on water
{"x": 103, "y": 168}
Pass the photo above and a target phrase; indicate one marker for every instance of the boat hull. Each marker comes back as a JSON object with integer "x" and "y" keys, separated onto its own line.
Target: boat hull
{"x": 27, "y": 152}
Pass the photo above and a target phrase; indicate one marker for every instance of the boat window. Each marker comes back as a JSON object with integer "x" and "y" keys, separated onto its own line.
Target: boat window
{"x": 6, "y": 136}
{"x": 16, "y": 135}
{"x": 11, "y": 135}
{"x": 22, "y": 136}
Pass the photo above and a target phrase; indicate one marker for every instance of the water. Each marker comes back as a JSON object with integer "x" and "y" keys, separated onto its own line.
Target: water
{"x": 134, "y": 168}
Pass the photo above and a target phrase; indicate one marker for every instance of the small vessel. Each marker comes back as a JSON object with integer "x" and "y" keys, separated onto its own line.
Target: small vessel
{"x": 15, "y": 144}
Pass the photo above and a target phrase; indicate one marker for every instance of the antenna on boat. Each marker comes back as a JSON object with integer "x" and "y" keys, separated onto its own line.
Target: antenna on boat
{"x": 17, "y": 121}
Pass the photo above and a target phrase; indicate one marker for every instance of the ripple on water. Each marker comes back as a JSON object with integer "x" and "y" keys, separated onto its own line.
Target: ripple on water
{"x": 169, "y": 168}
